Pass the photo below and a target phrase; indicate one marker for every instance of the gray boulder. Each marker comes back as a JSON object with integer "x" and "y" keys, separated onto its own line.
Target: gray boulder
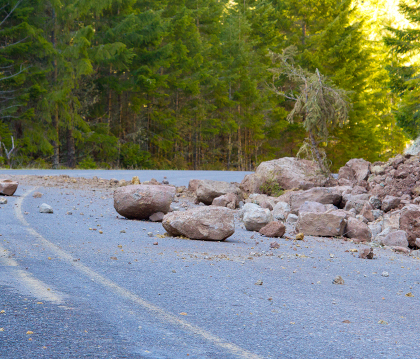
{"x": 321, "y": 224}
{"x": 256, "y": 218}
{"x": 141, "y": 201}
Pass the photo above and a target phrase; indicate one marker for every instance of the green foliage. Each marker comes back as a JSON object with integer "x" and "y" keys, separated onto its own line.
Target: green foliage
{"x": 87, "y": 164}
{"x": 133, "y": 157}
{"x": 183, "y": 84}
{"x": 271, "y": 188}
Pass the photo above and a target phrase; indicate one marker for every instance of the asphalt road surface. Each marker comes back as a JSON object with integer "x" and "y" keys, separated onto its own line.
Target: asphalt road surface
{"x": 91, "y": 284}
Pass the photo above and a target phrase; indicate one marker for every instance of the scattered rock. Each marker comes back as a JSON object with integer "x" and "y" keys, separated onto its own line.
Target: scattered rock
{"x": 401, "y": 249}
{"x": 8, "y": 187}
{"x": 3, "y": 200}
{"x": 259, "y": 282}
{"x": 157, "y": 217}
{"x": 208, "y": 223}
{"x": 150, "y": 234}
{"x": 274, "y": 245}
{"x": 155, "y": 243}
{"x": 141, "y": 201}
{"x": 45, "y": 208}
{"x": 135, "y": 180}
{"x": 273, "y": 229}
{"x": 37, "y": 195}
{"x": 385, "y": 274}
{"x": 300, "y": 237}
{"x": 366, "y": 253}
{"x": 338, "y": 280}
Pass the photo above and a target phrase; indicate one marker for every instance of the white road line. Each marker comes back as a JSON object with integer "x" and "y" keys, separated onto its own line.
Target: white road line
{"x": 124, "y": 293}
{"x": 37, "y": 288}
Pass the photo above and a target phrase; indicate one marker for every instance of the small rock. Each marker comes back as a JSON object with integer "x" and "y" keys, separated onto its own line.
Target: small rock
{"x": 259, "y": 282}
{"x": 366, "y": 253}
{"x": 157, "y": 217}
{"x": 338, "y": 280}
{"x": 150, "y": 234}
{"x": 155, "y": 243}
{"x": 45, "y": 208}
{"x": 69, "y": 213}
{"x": 135, "y": 180}
{"x": 273, "y": 229}
{"x": 385, "y": 274}
{"x": 401, "y": 249}
{"x": 123, "y": 231}
{"x": 37, "y": 195}
{"x": 292, "y": 218}
{"x": 409, "y": 294}
{"x": 300, "y": 236}
{"x": 274, "y": 245}
{"x": 165, "y": 181}
{"x": 383, "y": 322}
{"x": 3, "y": 201}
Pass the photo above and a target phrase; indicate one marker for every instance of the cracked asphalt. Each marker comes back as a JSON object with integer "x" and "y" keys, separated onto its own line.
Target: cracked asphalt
{"x": 69, "y": 291}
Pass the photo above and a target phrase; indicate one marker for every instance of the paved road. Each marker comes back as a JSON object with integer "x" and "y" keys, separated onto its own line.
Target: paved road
{"x": 68, "y": 291}
{"x": 177, "y": 178}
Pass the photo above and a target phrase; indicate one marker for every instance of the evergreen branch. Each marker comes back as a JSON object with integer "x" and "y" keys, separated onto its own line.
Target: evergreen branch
{"x": 17, "y": 73}
{"x": 15, "y": 43}
{"x": 10, "y": 13}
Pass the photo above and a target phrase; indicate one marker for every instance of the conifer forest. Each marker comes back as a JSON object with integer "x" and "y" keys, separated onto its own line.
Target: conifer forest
{"x": 204, "y": 84}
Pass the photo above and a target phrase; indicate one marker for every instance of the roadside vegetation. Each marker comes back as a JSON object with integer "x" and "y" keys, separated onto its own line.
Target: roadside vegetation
{"x": 189, "y": 84}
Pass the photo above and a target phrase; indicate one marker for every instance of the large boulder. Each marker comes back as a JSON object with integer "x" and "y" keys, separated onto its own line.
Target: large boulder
{"x": 208, "y": 190}
{"x": 207, "y": 223}
{"x": 314, "y": 207}
{"x": 321, "y": 224}
{"x": 255, "y": 217}
{"x": 324, "y": 195}
{"x": 410, "y": 222}
{"x": 8, "y": 187}
{"x": 355, "y": 170}
{"x": 358, "y": 229}
{"x": 288, "y": 172}
{"x": 141, "y": 201}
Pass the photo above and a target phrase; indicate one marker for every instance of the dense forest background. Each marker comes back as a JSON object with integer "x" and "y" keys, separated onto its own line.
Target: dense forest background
{"x": 185, "y": 84}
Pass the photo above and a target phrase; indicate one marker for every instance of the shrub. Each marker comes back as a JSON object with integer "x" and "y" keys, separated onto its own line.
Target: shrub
{"x": 271, "y": 188}
{"x": 87, "y": 164}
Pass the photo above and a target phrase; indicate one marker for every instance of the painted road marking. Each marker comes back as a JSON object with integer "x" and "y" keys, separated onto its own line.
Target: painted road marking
{"x": 37, "y": 288}
{"x": 124, "y": 293}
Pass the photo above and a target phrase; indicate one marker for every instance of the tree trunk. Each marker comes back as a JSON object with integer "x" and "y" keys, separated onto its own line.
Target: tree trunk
{"x": 315, "y": 149}
{"x": 55, "y": 119}
{"x": 71, "y": 151}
